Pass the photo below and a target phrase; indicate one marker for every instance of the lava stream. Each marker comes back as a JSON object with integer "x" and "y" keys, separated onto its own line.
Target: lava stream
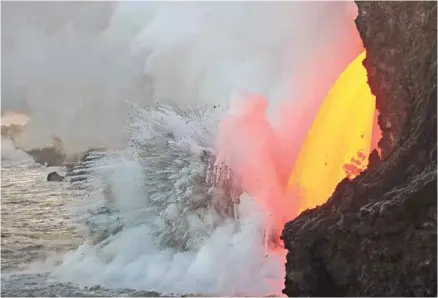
{"x": 336, "y": 146}
{"x": 340, "y": 140}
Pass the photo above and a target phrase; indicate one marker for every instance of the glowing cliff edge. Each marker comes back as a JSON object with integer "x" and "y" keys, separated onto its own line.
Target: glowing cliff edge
{"x": 340, "y": 135}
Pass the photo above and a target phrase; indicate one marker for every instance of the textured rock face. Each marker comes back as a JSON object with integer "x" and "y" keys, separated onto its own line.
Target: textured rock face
{"x": 49, "y": 156}
{"x": 377, "y": 234}
{"x": 399, "y": 37}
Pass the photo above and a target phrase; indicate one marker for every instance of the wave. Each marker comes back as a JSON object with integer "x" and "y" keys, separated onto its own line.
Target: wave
{"x": 162, "y": 225}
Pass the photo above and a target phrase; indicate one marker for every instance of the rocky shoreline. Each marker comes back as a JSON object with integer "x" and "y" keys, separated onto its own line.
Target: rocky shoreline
{"x": 377, "y": 234}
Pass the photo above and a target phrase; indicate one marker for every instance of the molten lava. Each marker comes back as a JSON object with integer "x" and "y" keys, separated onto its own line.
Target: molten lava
{"x": 336, "y": 146}
{"x": 340, "y": 139}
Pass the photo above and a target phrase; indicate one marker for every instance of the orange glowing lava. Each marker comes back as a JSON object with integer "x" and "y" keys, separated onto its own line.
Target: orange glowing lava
{"x": 337, "y": 145}
{"x": 340, "y": 140}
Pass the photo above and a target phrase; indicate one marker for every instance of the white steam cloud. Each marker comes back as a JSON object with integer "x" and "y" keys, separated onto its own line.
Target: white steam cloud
{"x": 72, "y": 65}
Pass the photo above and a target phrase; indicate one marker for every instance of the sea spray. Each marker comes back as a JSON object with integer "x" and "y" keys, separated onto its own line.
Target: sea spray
{"x": 148, "y": 199}
{"x": 169, "y": 227}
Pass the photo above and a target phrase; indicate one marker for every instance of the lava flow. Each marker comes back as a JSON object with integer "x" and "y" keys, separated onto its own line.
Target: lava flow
{"x": 337, "y": 145}
{"x": 340, "y": 140}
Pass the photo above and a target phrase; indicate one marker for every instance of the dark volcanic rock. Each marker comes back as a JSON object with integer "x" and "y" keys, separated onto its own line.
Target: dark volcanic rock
{"x": 377, "y": 234}
{"x": 54, "y": 176}
{"x": 49, "y": 156}
{"x": 399, "y": 37}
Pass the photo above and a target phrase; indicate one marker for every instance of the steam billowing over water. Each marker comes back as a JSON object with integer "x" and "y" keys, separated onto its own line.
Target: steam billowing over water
{"x": 151, "y": 82}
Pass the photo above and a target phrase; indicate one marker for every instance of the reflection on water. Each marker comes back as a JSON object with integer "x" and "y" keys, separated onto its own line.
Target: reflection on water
{"x": 35, "y": 221}
{"x": 36, "y": 224}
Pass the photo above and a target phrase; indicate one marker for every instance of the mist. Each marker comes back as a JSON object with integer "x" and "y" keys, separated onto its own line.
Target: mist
{"x": 73, "y": 67}
{"x": 252, "y": 73}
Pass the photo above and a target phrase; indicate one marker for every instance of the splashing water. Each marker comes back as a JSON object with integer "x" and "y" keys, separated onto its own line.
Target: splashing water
{"x": 164, "y": 213}
{"x": 257, "y": 153}
{"x": 162, "y": 226}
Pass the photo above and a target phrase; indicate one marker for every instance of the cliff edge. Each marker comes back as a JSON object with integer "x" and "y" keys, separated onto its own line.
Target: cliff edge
{"x": 377, "y": 234}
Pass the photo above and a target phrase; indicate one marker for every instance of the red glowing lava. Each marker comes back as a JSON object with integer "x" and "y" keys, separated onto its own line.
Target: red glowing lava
{"x": 289, "y": 168}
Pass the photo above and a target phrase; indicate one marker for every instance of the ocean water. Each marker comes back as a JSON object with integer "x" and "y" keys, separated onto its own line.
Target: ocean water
{"x": 35, "y": 223}
{"x": 144, "y": 220}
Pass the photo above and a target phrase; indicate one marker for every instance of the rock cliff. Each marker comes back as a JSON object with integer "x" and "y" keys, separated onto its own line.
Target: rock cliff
{"x": 377, "y": 234}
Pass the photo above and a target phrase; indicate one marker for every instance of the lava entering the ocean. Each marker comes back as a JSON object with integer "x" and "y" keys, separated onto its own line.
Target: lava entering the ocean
{"x": 340, "y": 140}
{"x": 337, "y": 145}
